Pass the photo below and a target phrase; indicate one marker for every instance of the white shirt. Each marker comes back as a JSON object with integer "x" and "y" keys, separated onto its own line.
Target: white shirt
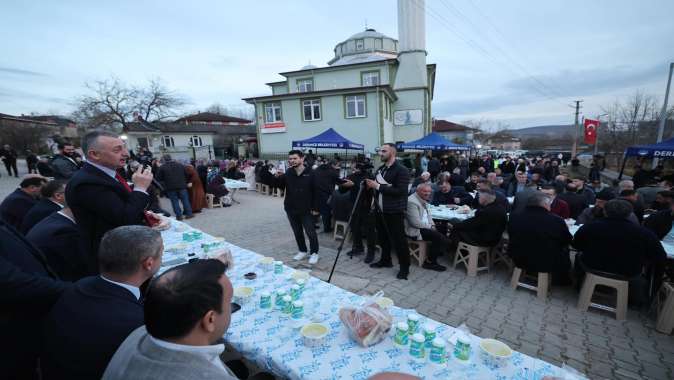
{"x": 56, "y": 203}
{"x": 210, "y": 353}
{"x": 134, "y": 290}
{"x": 67, "y": 216}
{"x": 111, "y": 173}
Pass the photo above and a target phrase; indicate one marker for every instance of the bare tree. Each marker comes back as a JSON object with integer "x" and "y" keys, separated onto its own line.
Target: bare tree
{"x": 112, "y": 103}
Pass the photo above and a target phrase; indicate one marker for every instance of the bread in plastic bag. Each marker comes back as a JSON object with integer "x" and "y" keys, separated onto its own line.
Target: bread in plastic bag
{"x": 368, "y": 324}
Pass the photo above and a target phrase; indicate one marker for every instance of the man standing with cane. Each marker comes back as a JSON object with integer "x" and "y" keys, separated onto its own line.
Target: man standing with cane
{"x": 391, "y": 182}
{"x": 301, "y": 202}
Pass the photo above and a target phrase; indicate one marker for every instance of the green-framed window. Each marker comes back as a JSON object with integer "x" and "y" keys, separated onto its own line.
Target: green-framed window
{"x": 272, "y": 112}
{"x": 355, "y": 106}
{"x": 305, "y": 85}
{"x": 311, "y": 109}
{"x": 369, "y": 78}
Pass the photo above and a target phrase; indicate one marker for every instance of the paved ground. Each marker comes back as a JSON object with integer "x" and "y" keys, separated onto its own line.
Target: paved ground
{"x": 554, "y": 330}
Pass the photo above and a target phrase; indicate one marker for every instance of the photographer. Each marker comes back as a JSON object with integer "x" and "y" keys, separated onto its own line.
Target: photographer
{"x": 363, "y": 219}
{"x": 391, "y": 182}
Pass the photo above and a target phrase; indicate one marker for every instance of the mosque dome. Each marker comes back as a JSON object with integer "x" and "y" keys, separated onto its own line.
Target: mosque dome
{"x": 366, "y": 46}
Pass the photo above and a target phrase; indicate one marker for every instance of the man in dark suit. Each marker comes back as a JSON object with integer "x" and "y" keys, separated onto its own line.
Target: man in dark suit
{"x": 90, "y": 320}
{"x": 64, "y": 163}
{"x": 390, "y": 185}
{"x": 58, "y": 238}
{"x": 448, "y": 195}
{"x": 539, "y": 241}
{"x": 173, "y": 176}
{"x": 17, "y": 204}
{"x": 100, "y": 198}
{"x": 28, "y": 289}
{"x": 577, "y": 202}
{"x": 486, "y": 227}
{"x": 53, "y": 198}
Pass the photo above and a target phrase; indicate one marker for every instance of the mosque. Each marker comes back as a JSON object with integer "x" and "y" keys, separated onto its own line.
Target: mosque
{"x": 376, "y": 89}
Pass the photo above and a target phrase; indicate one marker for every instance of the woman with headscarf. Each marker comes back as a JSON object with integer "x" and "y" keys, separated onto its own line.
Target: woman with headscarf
{"x": 195, "y": 189}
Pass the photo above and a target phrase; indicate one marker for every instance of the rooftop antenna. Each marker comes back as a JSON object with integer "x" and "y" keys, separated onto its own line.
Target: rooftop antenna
{"x": 365, "y": 24}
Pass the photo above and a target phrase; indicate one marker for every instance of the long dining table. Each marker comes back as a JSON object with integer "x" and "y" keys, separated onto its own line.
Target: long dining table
{"x": 272, "y": 340}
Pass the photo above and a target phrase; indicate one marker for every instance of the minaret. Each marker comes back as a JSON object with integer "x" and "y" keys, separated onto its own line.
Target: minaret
{"x": 412, "y": 45}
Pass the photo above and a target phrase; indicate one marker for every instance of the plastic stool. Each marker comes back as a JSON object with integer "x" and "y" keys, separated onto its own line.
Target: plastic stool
{"x": 594, "y": 279}
{"x": 469, "y": 255}
{"x": 542, "y": 284}
{"x": 418, "y": 250}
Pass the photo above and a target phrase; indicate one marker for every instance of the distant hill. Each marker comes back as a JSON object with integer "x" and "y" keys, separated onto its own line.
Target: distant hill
{"x": 550, "y": 131}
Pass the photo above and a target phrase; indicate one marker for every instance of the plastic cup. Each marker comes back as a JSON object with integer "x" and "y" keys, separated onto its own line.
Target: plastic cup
{"x": 295, "y": 292}
{"x": 278, "y": 267}
{"x": 280, "y": 294}
{"x": 287, "y": 305}
{"x": 298, "y": 310}
{"x": 429, "y": 334}
{"x": 265, "y": 300}
{"x": 438, "y": 353}
{"x": 417, "y": 347}
{"x": 412, "y": 323}
{"x": 462, "y": 348}
{"x": 401, "y": 336}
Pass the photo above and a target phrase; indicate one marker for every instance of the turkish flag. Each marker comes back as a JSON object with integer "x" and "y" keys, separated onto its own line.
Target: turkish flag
{"x": 591, "y": 127}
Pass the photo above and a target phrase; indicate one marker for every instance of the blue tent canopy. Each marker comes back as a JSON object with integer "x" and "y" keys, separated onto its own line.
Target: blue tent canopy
{"x": 433, "y": 141}
{"x": 328, "y": 139}
{"x": 663, "y": 149}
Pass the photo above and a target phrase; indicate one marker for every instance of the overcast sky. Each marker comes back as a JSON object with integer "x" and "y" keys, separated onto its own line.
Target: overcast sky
{"x": 520, "y": 62}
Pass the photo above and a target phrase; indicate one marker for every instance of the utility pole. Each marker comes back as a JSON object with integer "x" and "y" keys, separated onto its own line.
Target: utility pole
{"x": 663, "y": 113}
{"x": 574, "y": 147}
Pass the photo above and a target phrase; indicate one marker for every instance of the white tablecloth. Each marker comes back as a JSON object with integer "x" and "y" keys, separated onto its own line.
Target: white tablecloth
{"x": 269, "y": 340}
{"x": 445, "y": 213}
{"x": 234, "y": 184}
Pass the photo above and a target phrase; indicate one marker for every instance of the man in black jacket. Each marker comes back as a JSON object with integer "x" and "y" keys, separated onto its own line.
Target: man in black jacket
{"x": 391, "y": 182}
{"x": 100, "y": 198}
{"x": 300, "y": 203}
{"x": 326, "y": 176}
{"x": 173, "y": 177}
{"x": 17, "y": 204}
{"x": 538, "y": 240}
{"x": 28, "y": 289}
{"x": 91, "y": 319}
{"x": 486, "y": 227}
{"x": 616, "y": 245}
{"x": 661, "y": 224}
{"x": 448, "y": 195}
{"x": 363, "y": 221}
{"x": 63, "y": 164}
{"x": 53, "y": 199}
{"x": 577, "y": 202}
{"x": 9, "y": 156}
{"x": 58, "y": 238}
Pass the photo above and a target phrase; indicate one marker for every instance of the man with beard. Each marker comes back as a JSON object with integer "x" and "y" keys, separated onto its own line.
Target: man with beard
{"x": 64, "y": 164}
{"x": 362, "y": 221}
{"x": 390, "y": 184}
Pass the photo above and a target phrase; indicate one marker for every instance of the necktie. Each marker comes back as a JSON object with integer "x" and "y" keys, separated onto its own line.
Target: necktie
{"x": 123, "y": 182}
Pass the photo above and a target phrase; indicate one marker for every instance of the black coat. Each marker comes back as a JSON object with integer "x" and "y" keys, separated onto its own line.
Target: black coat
{"x": 64, "y": 167}
{"x": 41, "y": 210}
{"x": 15, "y": 207}
{"x": 539, "y": 241}
{"x": 301, "y": 194}
{"x": 172, "y": 176}
{"x": 394, "y": 195}
{"x": 660, "y": 223}
{"x": 85, "y": 328}
{"x": 486, "y": 227}
{"x": 577, "y": 203}
{"x": 440, "y": 198}
{"x": 100, "y": 203}
{"x": 618, "y": 246}
{"x": 58, "y": 238}
{"x": 326, "y": 178}
{"x": 28, "y": 290}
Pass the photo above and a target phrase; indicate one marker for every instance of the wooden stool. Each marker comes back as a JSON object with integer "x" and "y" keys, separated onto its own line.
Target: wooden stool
{"x": 418, "y": 250}
{"x": 340, "y": 229}
{"x": 665, "y": 309}
{"x": 586, "y": 292}
{"x": 211, "y": 203}
{"x": 469, "y": 255}
{"x": 542, "y": 285}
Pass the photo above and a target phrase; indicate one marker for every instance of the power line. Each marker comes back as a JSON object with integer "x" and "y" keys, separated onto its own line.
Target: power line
{"x": 471, "y": 43}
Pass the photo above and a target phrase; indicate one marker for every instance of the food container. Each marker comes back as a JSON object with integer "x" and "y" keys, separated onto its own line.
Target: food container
{"x": 278, "y": 267}
{"x": 295, "y": 292}
{"x": 495, "y": 353}
{"x": 313, "y": 334}
{"x": 298, "y": 310}
{"x": 412, "y": 323}
{"x": 287, "y": 305}
{"x": 278, "y": 302}
{"x": 401, "y": 337}
{"x": 242, "y": 294}
{"x": 417, "y": 347}
{"x": 297, "y": 275}
{"x": 266, "y": 263}
{"x": 265, "y": 300}
{"x": 438, "y": 351}
{"x": 462, "y": 348}
{"x": 384, "y": 302}
{"x": 429, "y": 334}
